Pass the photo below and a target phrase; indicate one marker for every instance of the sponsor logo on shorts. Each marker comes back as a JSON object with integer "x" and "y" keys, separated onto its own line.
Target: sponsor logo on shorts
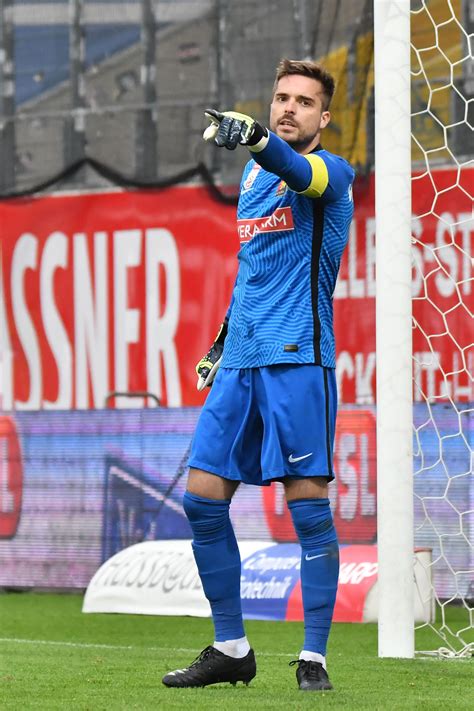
{"x": 293, "y": 459}
{"x": 279, "y": 221}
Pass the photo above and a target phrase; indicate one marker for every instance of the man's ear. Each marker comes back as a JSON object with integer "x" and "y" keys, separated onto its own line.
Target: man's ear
{"x": 325, "y": 118}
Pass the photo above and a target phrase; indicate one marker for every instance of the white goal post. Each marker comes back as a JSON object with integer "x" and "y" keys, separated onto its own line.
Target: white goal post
{"x": 424, "y": 177}
{"x": 393, "y": 327}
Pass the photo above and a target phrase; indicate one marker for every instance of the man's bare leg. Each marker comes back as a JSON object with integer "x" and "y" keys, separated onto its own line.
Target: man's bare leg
{"x": 210, "y": 486}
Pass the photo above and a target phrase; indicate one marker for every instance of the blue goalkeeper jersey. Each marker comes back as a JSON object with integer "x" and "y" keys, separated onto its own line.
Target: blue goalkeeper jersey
{"x": 291, "y": 245}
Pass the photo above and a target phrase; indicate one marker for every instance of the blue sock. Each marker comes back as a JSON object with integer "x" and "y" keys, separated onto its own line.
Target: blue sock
{"x": 313, "y": 523}
{"x": 218, "y": 561}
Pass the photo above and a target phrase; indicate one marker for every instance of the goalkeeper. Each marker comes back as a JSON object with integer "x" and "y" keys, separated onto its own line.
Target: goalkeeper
{"x": 270, "y": 415}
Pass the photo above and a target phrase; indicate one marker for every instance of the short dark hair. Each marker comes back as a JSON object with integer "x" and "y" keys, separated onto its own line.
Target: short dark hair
{"x": 309, "y": 69}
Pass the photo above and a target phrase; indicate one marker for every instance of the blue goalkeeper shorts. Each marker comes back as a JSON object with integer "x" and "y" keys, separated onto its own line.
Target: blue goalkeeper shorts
{"x": 262, "y": 424}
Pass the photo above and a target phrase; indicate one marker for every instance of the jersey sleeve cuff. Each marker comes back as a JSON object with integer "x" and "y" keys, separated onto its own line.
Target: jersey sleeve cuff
{"x": 262, "y": 143}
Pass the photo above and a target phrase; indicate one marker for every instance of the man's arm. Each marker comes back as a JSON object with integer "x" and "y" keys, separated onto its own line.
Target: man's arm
{"x": 309, "y": 175}
{"x": 208, "y": 366}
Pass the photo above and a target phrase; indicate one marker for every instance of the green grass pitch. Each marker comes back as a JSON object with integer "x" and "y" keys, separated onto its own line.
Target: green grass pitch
{"x": 54, "y": 657}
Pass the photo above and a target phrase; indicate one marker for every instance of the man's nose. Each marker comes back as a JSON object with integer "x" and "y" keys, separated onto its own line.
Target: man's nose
{"x": 290, "y": 106}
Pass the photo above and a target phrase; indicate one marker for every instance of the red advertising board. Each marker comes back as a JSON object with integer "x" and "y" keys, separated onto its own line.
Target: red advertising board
{"x": 442, "y": 289}
{"x": 11, "y": 478}
{"x": 124, "y": 291}
{"x": 111, "y": 292}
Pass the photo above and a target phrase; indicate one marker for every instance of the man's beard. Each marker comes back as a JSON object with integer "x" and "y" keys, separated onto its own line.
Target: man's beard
{"x": 298, "y": 143}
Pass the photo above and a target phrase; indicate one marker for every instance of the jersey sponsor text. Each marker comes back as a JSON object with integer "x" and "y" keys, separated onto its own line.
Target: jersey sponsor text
{"x": 279, "y": 221}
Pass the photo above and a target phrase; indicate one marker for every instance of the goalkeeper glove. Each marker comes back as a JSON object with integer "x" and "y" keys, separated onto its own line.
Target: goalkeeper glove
{"x": 229, "y": 128}
{"x": 208, "y": 366}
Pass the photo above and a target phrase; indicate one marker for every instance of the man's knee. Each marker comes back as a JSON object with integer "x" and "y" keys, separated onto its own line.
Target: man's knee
{"x": 208, "y": 518}
{"x": 314, "y": 487}
{"x": 210, "y": 486}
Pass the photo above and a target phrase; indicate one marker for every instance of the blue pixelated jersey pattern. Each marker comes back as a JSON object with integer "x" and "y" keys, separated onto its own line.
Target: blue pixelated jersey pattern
{"x": 291, "y": 247}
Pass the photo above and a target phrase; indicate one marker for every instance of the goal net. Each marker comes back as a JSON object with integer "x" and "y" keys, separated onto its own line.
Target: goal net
{"x": 433, "y": 461}
{"x": 442, "y": 126}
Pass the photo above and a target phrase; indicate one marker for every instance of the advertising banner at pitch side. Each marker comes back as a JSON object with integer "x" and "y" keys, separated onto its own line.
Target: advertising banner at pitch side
{"x": 125, "y": 291}
{"x": 161, "y": 578}
{"x": 79, "y": 487}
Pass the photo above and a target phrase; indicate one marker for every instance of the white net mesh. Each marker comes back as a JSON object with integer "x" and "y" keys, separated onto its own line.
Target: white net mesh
{"x": 443, "y": 306}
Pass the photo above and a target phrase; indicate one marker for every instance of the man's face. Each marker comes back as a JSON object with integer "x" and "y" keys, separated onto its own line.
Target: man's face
{"x": 296, "y": 112}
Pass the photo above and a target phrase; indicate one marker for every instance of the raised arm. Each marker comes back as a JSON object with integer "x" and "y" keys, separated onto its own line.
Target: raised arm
{"x": 312, "y": 175}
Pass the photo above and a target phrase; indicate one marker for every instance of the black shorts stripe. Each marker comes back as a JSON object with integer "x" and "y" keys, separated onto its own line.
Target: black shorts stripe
{"x": 318, "y": 226}
{"x": 328, "y": 425}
